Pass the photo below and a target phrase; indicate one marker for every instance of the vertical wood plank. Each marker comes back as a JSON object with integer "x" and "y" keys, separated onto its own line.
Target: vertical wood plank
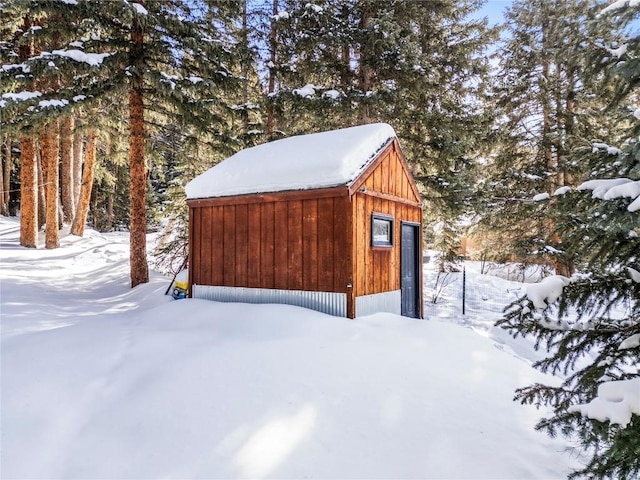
{"x": 254, "y": 232}
{"x": 281, "y": 245}
{"x": 217, "y": 240}
{"x": 343, "y": 235}
{"x": 310, "y": 245}
{"x": 294, "y": 245}
{"x": 191, "y": 252}
{"x": 360, "y": 250}
{"x": 267, "y": 245}
{"x": 392, "y": 173}
{"x": 326, "y": 241}
{"x": 397, "y": 173}
{"x": 242, "y": 237}
{"x": 394, "y": 267}
{"x": 369, "y": 264}
{"x": 386, "y": 165}
{"x": 377, "y": 179}
{"x": 197, "y": 241}
{"x": 206, "y": 246}
{"x": 229, "y": 246}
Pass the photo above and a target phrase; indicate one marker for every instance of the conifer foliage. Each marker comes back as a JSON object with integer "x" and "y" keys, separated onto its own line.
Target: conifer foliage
{"x": 590, "y": 323}
{"x": 158, "y": 56}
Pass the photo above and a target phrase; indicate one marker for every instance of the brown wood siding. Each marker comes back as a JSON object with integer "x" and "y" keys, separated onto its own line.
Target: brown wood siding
{"x": 388, "y": 189}
{"x": 316, "y": 240}
{"x": 294, "y": 243}
{"x": 377, "y": 268}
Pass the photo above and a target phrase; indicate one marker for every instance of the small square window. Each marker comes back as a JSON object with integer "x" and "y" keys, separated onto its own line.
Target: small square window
{"x": 381, "y": 230}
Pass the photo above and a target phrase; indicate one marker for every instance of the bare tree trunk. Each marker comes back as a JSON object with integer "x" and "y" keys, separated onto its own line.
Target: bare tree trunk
{"x": 6, "y": 184}
{"x": 42, "y": 188}
{"x": 245, "y": 69}
{"x": 50, "y": 139}
{"x": 272, "y": 77}
{"x": 28, "y": 193}
{"x": 80, "y": 219}
{"x": 137, "y": 167}
{"x": 76, "y": 178}
{"x": 66, "y": 169}
{"x": 110, "y": 200}
{"x": 7, "y": 174}
{"x": 366, "y": 72}
{"x": 4, "y": 210}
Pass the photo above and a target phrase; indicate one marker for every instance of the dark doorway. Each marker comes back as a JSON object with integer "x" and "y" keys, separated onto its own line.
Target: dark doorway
{"x": 410, "y": 286}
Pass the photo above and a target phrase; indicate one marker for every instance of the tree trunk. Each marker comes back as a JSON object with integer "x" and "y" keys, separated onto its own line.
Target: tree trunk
{"x": 272, "y": 78}
{"x": 28, "y": 193}
{"x": 110, "y": 199}
{"x": 42, "y": 188}
{"x": 7, "y": 174}
{"x": 137, "y": 168}
{"x": 4, "y": 210}
{"x": 80, "y": 219}
{"x": 245, "y": 69}
{"x": 366, "y": 72}
{"x": 76, "y": 177}
{"x": 50, "y": 139}
{"x": 66, "y": 169}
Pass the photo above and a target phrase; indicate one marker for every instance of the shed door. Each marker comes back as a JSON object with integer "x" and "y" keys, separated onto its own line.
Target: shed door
{"x": 409, "y": 287}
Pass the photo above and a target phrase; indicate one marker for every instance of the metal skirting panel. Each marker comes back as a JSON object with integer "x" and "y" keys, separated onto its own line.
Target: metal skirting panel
{"x": 326, "y": 302}
{"x": 378, "y": 302}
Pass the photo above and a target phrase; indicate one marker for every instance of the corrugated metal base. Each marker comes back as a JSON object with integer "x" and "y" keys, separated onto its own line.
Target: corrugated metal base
{"x": 378, "y": 302}
{"x": 327, "y": 302}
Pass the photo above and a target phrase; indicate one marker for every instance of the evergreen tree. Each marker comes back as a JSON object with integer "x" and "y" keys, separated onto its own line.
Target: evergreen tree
{"x": 160, "y": 55}
{"x": 419, "y": 66}
{"x": 548, "y": 107}
{"x": 590, "y": 323}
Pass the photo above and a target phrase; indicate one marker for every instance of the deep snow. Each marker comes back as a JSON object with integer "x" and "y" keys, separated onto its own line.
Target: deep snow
{"x": 103, "y": 381}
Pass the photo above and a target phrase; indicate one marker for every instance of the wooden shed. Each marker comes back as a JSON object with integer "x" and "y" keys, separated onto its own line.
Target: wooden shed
{"x": 330, "y": 221}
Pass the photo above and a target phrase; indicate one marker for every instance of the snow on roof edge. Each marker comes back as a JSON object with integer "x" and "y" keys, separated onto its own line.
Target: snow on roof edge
{"x": 304, "y": 162}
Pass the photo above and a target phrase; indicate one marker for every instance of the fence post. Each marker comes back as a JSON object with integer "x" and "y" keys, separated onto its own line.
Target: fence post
{"x": 464, "y": 288}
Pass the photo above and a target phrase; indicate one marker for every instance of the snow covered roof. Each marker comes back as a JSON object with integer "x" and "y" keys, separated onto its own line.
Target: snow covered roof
{"x": 303, "y": 162}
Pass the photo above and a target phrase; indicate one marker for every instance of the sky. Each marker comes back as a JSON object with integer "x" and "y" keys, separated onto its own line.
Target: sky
{"x": 494, "y": 10}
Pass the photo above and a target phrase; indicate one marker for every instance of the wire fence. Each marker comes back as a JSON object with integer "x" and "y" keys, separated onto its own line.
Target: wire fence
{"x": 468, "y": 297}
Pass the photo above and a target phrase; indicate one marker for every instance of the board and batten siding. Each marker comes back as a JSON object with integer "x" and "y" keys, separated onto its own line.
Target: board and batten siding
{"x": 311, "y": 240}
{"x": 389, "y": 190}
{"x": 288, "y": 241}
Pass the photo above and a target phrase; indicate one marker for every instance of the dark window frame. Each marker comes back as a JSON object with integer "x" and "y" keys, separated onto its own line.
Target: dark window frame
{"x": 385, "y": 218}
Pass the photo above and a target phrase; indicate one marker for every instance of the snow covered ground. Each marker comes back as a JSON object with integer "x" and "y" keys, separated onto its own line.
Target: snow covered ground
{"x": 103, "y": 381}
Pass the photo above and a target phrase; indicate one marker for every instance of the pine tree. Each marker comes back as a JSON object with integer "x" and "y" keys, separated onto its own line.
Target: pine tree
{"x": 541, "y": 98}
{"x": 416, "y": 65}
{"x": 161, "y": 55}
{"x": 590, "y": 323}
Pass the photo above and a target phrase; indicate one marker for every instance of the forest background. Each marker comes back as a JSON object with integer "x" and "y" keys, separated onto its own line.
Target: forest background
{"x": 522, "y": 135}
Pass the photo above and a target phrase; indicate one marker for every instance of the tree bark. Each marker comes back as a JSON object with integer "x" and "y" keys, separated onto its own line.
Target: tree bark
{"x": 80, "y": 219}
{"x": 76, "y": 177}
{"x": 7, "y": 174}
{"x": 66, "y": 169}
{"x": 28, "y": 193}
{"x": 366, "y": 72}
{"x": 137, "y": 167}
{"x": 42, "y": 187}
{"x": 4, "y": 210}
{"x": 272, "y": 78}
{"x": 50, "y": 139}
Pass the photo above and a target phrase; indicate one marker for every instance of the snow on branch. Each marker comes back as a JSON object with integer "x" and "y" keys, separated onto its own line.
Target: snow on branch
{"x": 619, "y": 4}
{"x": 609, "y": 189}
{"x": 546, "y": 291}
{"x": 540, "y": 197}
{"x": 615, "y": 402}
